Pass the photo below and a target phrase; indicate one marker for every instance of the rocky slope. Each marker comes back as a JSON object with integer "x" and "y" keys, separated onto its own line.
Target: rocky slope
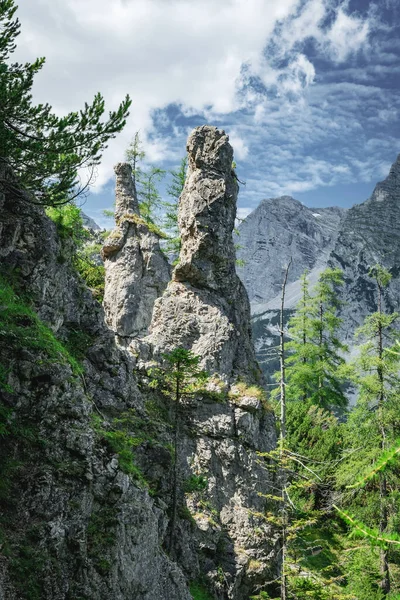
{"x": 86, "y": 476}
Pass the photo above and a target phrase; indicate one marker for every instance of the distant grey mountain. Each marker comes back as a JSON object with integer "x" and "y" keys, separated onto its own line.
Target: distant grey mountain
{"x": 369, "y": 234}
{"x": 280, "y": 228}
{"x": 353, "y": 240}
{"x": 89, "y": 223}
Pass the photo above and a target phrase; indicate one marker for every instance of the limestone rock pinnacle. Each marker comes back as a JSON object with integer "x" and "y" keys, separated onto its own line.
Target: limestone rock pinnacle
{"x": 205, "y": 308}
{"x": 137, "y": 272}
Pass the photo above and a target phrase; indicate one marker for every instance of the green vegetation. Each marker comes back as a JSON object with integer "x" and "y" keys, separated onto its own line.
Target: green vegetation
{"x": 120, "y": 439}
{"x": 339, "y": 476}
{"x": 43, "y": 150}
{"x": 199, "y": 592}
{"x": 69, "y": 223}
{"x": 20, "y": 327}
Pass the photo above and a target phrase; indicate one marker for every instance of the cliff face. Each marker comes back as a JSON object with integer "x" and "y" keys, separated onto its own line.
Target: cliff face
{"x": 74, "y": 524}
{"x": 86, "y": 481}
{"x": 369, "y": 234}
{"x": 280, "y": 229}
{"x": 137, "y": 272}
{"x": 205, "y": 307}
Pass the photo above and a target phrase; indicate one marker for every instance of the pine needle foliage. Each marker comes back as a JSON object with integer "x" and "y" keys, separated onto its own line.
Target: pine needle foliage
{"x": 44, "y": 151}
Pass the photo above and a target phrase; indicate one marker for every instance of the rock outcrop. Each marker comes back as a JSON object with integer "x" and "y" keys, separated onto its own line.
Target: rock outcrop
{"x": 369, "y": 235}
{"x": 205, "y": 308}
{"x": 86, "y": 466}
{"x": 74, "y": 524}
{"x": 137, "y": 272}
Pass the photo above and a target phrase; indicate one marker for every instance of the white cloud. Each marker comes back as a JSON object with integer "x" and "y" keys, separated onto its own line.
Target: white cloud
{"x": 176, "y": 51}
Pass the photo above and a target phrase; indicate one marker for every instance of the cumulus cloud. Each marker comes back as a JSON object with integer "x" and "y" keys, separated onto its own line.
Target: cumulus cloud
{"x": 245, "y": 65}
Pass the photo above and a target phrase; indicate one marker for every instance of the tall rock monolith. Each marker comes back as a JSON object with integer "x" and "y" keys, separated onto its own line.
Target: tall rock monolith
{"x": 205, "y": 308}
{"x": 137, "y": 272}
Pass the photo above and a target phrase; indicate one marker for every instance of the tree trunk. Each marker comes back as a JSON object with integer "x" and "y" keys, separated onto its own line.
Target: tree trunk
{"x": 384, "y": 584}
{"x": 282, "y": 439}
{"x": 175, "y": 474}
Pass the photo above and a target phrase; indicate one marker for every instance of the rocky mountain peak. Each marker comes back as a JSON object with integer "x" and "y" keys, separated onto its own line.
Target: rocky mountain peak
{"x": 389, "y": 187}
{"x": 280, "y": 229}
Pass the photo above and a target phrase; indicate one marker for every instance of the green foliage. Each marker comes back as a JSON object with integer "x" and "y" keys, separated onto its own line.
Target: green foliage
{"x": 46, "y": 151}
{"x": 199, "y": 592}
{"x": 20, "y": 327}
{"x": 195, "y": 483}
{"x": 313, "y": 367}
{"x": 170, "y": 223}
{"x": 69, "y": 223}
{"x": 180, "y": 376}
{"x": 120, "y": 439}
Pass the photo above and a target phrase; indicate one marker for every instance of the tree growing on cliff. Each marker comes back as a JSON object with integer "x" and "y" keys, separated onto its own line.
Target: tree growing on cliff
{"x": 178, "y": 378}
{"x": 174, "y": 191}
{"x": 44, "y": 151}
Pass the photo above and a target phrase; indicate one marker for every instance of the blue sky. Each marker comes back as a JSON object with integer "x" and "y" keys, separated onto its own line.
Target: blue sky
{"x": 308, "y": 90}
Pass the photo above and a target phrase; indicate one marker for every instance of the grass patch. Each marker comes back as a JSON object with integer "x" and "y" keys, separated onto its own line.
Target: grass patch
{"x": 134, "y": 218}
{"x": 20, "y": 327}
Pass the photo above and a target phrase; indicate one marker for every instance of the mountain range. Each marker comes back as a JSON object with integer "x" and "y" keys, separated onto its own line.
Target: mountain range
{"x": 352, "y": 240}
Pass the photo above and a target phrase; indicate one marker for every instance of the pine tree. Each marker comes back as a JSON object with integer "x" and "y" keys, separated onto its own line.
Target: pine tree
{"x": 178, "y": 378}
{"x": 315, "y": 350}
{"x": 44, "y": 151}
{"x": 174, "y": 190}
{"x": 373, "y": 430}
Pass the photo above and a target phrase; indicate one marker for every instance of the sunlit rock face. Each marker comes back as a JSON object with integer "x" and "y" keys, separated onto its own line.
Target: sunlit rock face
{"x": 137, "y": 272}
{"x": 205, "y": 308}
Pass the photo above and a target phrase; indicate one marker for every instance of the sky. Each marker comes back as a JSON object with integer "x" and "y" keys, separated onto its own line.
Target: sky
{"x": 308, "y": 90}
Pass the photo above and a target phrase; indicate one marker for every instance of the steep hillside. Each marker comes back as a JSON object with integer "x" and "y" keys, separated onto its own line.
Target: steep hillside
{"x": 109, "y": 488}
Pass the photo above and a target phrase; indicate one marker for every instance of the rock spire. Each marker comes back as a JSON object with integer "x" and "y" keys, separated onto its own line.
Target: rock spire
{"x": 205, "y": 308}
{"x": 136, "y": 270}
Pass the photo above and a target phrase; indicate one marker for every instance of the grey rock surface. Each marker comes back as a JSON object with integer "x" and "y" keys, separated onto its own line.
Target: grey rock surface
{"x": 280, "y": 229}
{"x": 369, "y": 235}
{"x": 137, "y": 272}
{"x": 205, "y": 307}
{"x": 77, "y": 525}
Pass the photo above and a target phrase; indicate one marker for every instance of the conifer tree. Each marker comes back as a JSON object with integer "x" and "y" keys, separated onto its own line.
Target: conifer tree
{"x": 373, "y": 430}
{"x": 43, "y": 150}
{"x": 178, "y": 378}
{"x": 174, "y": 190}
{"x": 315, "y": 351}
